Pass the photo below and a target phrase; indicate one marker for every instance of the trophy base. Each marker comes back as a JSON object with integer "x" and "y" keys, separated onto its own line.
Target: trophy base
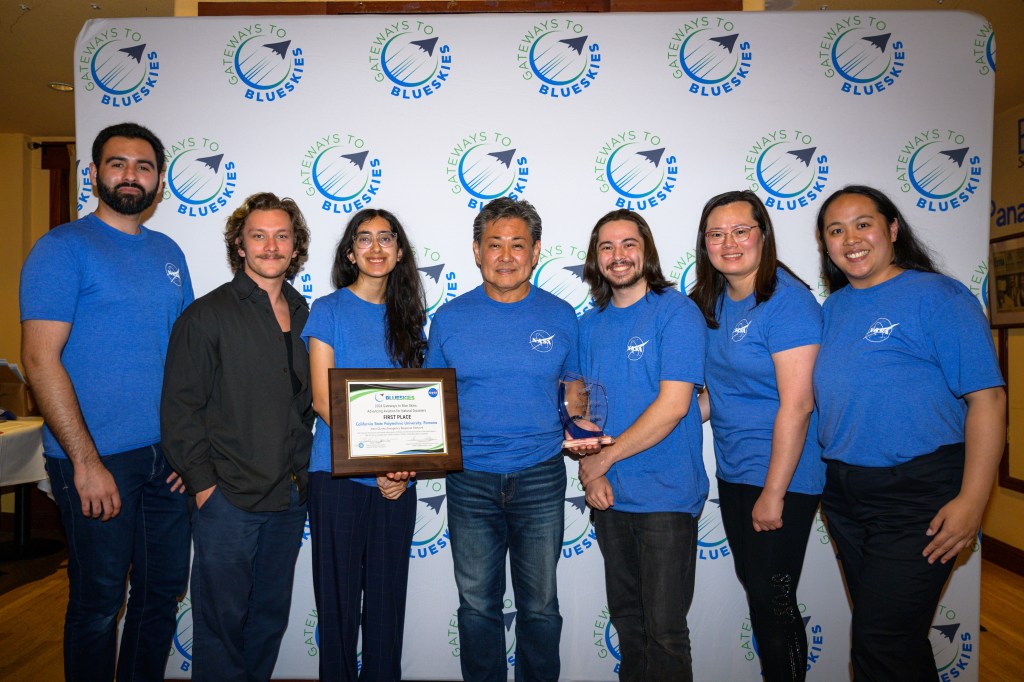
{"x": 578, "y": 442}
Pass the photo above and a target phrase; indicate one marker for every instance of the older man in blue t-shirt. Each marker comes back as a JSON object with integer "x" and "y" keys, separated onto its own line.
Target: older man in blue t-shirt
{"x": 644, "y": 341}
{"x": 509, "y": 343}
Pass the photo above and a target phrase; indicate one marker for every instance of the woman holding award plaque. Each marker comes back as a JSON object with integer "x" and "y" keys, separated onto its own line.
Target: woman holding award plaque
{"x": 763, "y": 332}
{"x": 361, "y": 528}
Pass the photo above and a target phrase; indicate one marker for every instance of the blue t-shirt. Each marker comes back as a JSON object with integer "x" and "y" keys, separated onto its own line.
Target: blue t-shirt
{"x": 742, "y": 387}
{"x": 508, "y": 358}
{"x": 355, "y": 329}
{"x": 896, "y": 360}
{"x": 121, "y": 293}
{"x": 630, "y": 351}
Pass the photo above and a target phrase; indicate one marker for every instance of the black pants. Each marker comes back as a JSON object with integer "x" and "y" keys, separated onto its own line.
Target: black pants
{"x": 877, "y": 517}
{"x": 649, "y": 567}
{"x": 768, "y": 565}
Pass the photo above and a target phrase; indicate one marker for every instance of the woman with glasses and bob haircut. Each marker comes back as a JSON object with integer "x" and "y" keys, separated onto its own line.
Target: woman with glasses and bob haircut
{"x": 763, "y": 331}
{"x": 361, "y": 528}
{"x": 912, "y": 425}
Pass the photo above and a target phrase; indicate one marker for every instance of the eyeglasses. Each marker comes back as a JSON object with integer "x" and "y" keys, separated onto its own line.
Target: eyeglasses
{"x": 740, "y": 234}
{"x": 364, "y": 240}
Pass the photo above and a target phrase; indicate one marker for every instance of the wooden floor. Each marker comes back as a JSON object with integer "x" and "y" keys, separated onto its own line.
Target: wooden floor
{"x": 33, "y": 596}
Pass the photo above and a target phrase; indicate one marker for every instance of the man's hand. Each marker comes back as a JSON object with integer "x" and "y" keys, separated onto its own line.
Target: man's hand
{"x": 599, "y": 494}
{"x": 593, "y": 467}
{"x": 203, "y": 495}
{"x": 97, "y": 490}
{"x": 177, "y": 485}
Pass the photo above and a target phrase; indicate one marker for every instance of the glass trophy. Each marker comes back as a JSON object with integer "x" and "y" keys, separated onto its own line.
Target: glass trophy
{"x": 583, "y": 409}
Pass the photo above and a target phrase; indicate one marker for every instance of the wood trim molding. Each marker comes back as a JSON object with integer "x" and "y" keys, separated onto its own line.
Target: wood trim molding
{"x": 1002, "y": 554}
{"x": 230, "y": 9}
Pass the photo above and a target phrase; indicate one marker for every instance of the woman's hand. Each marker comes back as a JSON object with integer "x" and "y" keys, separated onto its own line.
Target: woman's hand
{"x": 767, "y": 512}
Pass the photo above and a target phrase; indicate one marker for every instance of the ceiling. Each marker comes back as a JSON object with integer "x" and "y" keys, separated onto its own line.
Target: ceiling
{"x": 37, "y": 40}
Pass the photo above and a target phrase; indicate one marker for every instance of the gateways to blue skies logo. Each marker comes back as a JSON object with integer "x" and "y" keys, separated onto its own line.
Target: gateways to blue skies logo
{"x": 816, "y": 644}
{"x": 787, "y": 167}
{"x": 484, "y": 165}
{"x": 938, "y": 169}
{"x": 606, "y": 640}
{"x": 578, "y": 536}
{"x": 984, "y": 49}
{"x": 682, "y": 270}
{"x": 711, "y": 541}
{"x": 340, "y": 171}
{"x": 119, "y": 67}
{"x": 863, "y": 53}
{"x": 636, "y": 169}
{"x": 953, "y": 643}
{"x": 559, "y": 58}
{"x": 711, "y": 54}
{"x": 201, "y": 177}
{"x": 430, "y": 534}
{"x": 410, "y": 59}
{"x": 508, "y": 620}
{"x": 181, "y": 645}
{"x": 559, "y": 271}
{"x": 439, "y": 280}
{"x": 310, "y": 634}
{"x": 263, "y": 62}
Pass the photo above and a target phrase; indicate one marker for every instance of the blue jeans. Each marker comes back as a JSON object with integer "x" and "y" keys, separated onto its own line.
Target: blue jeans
{"x": 149, "y": 537}
{"x": 242, "y": 572}
{"x": 649, "y": 567}
{"x": 522, "y": 515}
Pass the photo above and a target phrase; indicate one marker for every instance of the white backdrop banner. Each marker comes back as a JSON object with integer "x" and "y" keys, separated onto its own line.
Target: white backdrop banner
{"x": 432, "y": 116}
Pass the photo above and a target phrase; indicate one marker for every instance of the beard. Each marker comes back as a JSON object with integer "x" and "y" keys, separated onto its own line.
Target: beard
{"x": 125, "y": 204}
{"x": 626, "y": 283}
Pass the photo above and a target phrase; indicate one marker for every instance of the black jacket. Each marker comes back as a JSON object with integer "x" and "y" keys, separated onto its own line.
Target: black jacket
{"x": 228, "y": 415}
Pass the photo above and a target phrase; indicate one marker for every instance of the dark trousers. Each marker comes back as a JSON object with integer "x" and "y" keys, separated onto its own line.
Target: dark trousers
{"x": 149, "y": 537}
{"x": 649, "y": 566}
{"x": 768, "y": 565}
{"x": 361, "y": 547}
{"x": 242, "y": 572}
{"x": 877, "y": 517}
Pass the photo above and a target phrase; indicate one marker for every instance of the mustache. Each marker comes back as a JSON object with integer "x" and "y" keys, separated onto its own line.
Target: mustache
{"x": 133, "y": 185}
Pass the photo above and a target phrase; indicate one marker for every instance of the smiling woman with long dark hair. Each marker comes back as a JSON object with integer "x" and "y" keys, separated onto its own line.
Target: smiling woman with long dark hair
{"x": 361, "y": 528}
{"x": 911, "y": 421}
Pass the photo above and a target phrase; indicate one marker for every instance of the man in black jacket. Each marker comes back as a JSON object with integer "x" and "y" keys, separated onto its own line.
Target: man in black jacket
{"x": 236, "y": 416}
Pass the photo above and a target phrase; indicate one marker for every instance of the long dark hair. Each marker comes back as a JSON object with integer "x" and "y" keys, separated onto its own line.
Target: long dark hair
{"x": 600, "y": 289}
{"x": 404, "y": 307}
{"x": 907, "y": 252}
{"x": 711, "y": 284}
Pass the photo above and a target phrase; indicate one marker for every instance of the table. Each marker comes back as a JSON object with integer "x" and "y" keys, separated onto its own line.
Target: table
{"x": 21, "y": 465}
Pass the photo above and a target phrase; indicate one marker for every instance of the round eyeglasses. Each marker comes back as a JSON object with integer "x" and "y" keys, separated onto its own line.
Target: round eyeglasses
{"x": 740, "y": 234}
{"x": 364, "y": 240}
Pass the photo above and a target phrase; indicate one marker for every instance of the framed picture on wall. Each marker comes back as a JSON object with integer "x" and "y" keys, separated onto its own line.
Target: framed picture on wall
{"x": 1006, "y": 281}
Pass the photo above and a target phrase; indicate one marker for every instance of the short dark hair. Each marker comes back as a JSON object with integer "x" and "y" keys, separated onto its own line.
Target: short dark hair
{"x": 600, "y": 289}
{"x": 907, "y": 252}
{"x": 710, "y": 284}
{"x": 504, "y": 207}
{"x": 267, "y": 201}
{"x": 132, "y": 131}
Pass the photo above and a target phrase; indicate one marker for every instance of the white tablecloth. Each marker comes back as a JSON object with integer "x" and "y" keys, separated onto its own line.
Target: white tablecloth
{"x": 21, "y": 451}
